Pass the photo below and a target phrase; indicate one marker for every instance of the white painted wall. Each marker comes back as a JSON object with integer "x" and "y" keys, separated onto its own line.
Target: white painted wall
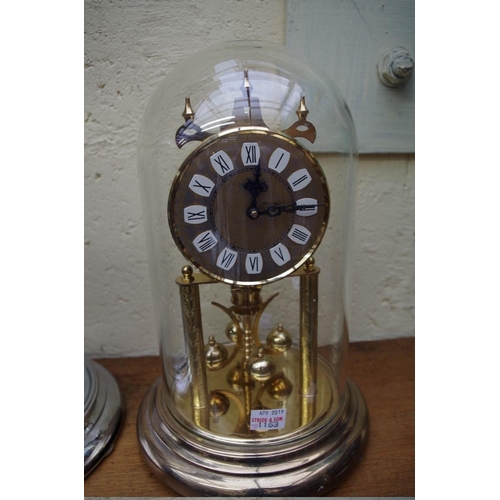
{"x": 130, "y": 45}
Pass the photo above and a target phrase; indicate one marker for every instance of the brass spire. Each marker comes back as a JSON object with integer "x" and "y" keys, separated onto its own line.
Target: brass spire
{"x": 188, "y": 113}
{"x": 302, "y": 110}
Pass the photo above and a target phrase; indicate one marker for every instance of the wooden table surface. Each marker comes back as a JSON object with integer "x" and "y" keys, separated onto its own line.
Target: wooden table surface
{"x": 383, "y": 370}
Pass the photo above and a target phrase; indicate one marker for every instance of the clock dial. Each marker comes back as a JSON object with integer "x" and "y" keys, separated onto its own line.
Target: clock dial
{"x": 249, "y": 206}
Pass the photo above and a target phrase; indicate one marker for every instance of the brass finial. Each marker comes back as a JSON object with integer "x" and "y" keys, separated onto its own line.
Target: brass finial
{"x": 188, "y": 113}
{"x": 259, "y": 367}
{"x": 302, "y": 110}
{"x": 279, "y": 387}
{"x": 302, "y": 128}
{"x": 309, "y": 265}
{"x": 215, "y": 354}
{"x": 187, "y": 274}
{"x": 232, "y": 331}
{"x": 279, "y": 340}
{"x": 219, "y": 404}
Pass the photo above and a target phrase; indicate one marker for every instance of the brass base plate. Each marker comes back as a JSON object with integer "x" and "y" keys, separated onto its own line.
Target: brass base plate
{"x": 308, "y": 464}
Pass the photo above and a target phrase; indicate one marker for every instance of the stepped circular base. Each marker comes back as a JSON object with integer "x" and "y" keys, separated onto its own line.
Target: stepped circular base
{"x": 308, "y": 464}
{"x": 104, "y": 410}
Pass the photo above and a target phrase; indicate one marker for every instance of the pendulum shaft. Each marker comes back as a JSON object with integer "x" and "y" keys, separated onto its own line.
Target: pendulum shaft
{"x": 247, "y": 303}
{"x": 308, "y": 340}
{"x": 248, "y": 349}
{"x": 193, "y": 331}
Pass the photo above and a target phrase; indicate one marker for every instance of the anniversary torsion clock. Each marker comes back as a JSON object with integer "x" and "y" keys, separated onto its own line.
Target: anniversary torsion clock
{"x": 253, "y": 329}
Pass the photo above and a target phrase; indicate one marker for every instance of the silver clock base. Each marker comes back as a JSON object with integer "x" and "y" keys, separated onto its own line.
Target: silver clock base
{"x": 308, "y": 465}
{"x": 104, "y": 411}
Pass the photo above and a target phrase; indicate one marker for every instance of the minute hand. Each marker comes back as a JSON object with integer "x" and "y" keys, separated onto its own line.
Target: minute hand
{"x": 275, "y": 210}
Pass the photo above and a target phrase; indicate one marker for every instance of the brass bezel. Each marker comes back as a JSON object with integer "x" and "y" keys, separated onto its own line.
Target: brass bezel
{"x": 207, "y": 143}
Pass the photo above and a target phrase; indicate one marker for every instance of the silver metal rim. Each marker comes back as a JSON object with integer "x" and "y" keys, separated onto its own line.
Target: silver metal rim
{"x": 104, "y": 410}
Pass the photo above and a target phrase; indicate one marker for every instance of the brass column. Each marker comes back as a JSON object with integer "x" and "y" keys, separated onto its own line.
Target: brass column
{"x": 308, "y": 340}
{"x": 193, "y": 331}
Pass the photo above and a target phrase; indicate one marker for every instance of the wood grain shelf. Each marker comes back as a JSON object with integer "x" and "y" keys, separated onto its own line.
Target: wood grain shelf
{"x": 383, "y": 370}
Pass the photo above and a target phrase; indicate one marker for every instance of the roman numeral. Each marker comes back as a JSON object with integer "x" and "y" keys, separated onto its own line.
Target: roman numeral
{"x": 299, "y": 234}
{"x": 221, "y": 163}
{"x": 195, "y": 214}
{"x": 201, "y": 185}
{"x": 226, "y": 259}
{"x": 279, "y": 160}
{"x": 306, "y": 207}
{"x": 254, "y": 263}
{"x": 250, "y": 153}
{"x": 205, "y": 241}
{"x": 280, "y": 254}
{"x": 206, "y": 189}
{"x": 299, "y": 179}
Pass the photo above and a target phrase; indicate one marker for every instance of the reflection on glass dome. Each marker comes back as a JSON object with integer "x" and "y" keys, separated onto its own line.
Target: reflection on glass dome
{"x": 247, "y": 164}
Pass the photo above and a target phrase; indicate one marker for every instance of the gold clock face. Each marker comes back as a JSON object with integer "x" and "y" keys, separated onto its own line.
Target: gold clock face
{"x": 248, "y": 206}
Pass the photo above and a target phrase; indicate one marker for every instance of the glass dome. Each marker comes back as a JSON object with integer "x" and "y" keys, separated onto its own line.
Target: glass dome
{"x": 247, "y": 166}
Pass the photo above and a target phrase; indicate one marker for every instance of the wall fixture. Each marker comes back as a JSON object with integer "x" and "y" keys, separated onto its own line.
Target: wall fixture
{"x": 395, "y": 66}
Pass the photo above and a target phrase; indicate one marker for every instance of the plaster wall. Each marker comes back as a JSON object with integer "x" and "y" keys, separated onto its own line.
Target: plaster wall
{"x": 130, "y": 46}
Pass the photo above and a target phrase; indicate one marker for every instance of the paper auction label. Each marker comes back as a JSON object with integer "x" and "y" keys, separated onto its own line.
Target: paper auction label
{"x": 267, "y": 420}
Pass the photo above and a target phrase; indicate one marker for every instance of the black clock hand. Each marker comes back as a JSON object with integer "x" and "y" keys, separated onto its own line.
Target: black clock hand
{"x": 255, "y": 186}
{"x": 275, "y": 210}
